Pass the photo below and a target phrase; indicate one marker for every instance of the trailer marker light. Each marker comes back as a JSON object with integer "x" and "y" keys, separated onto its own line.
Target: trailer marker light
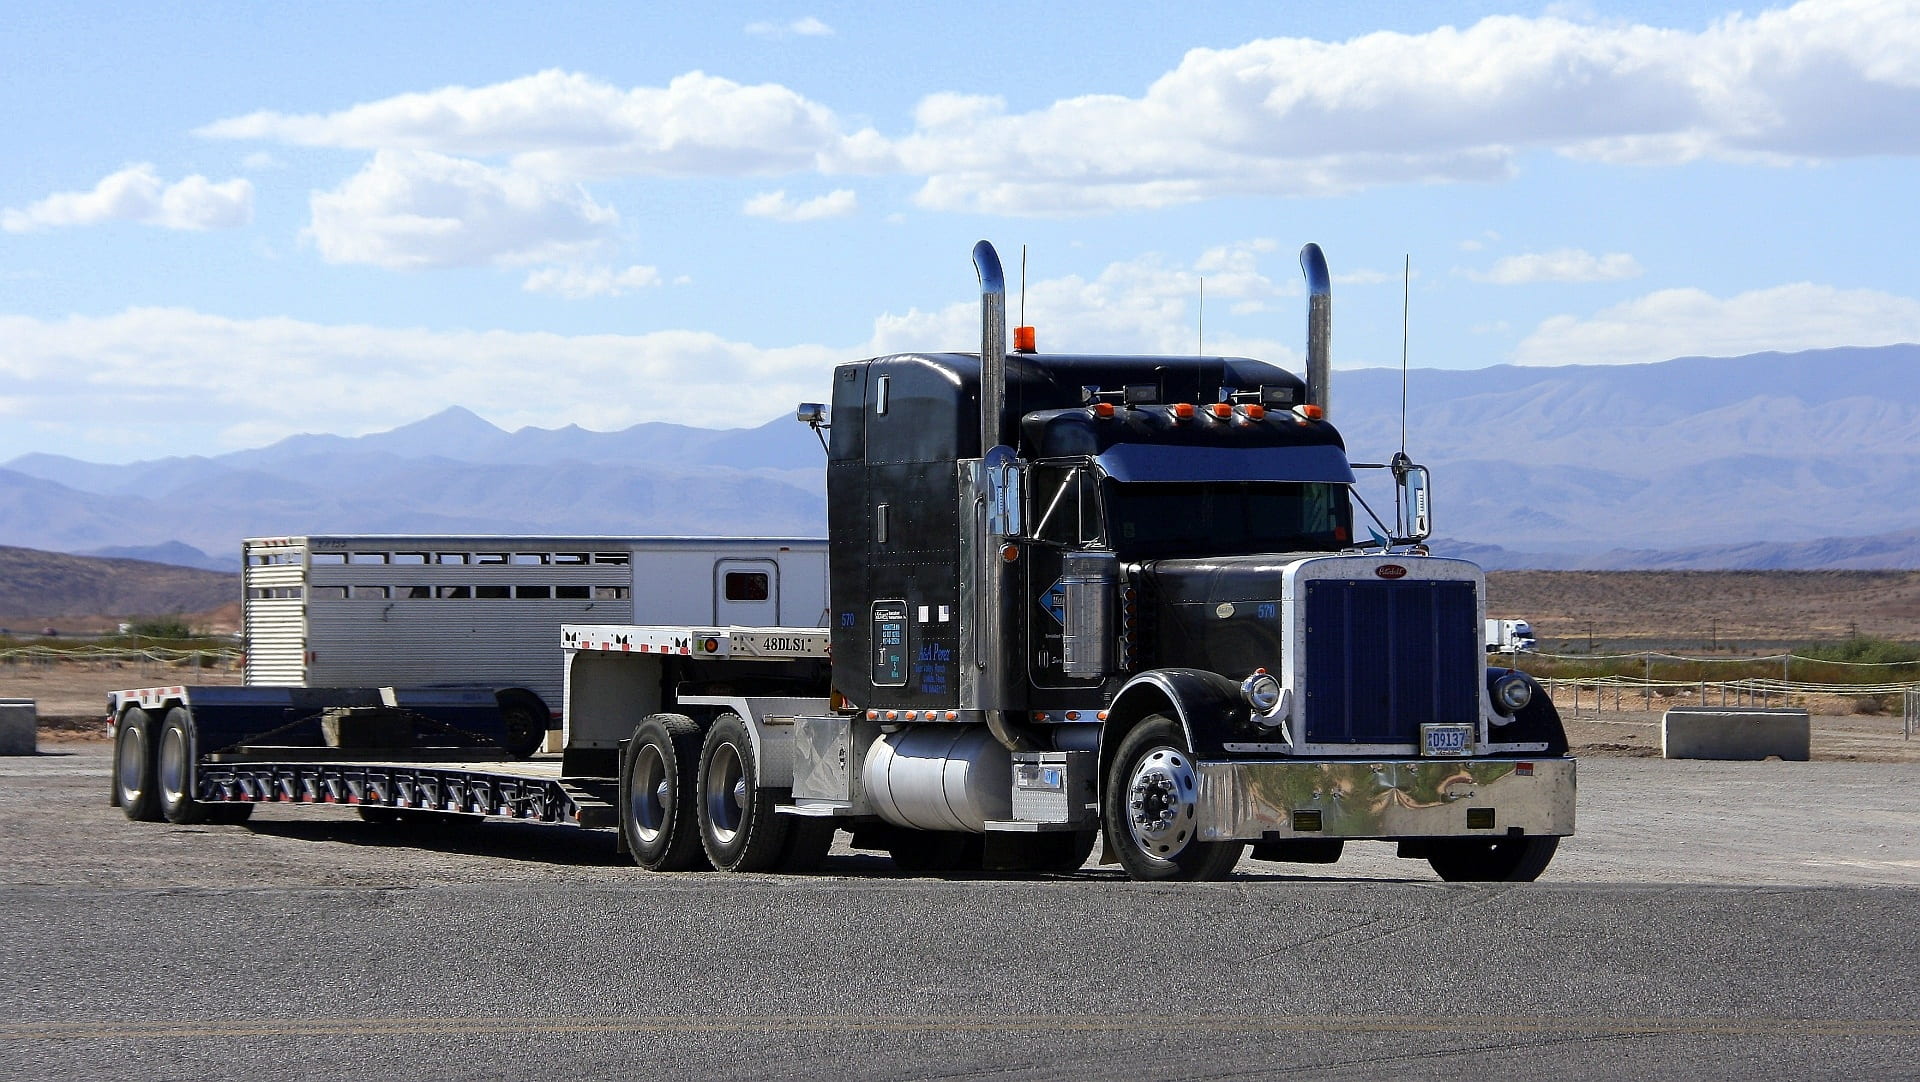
{"x": 1073, "y": 715}
{"x": 953, "y": 715}
{"x": 1524, "y": 770}
{"x": 1010, "y": 553}
{"x": 893, "y": 715}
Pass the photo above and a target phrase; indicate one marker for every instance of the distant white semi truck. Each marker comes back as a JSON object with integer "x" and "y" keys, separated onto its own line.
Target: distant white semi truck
{"x": 434, "y": 611}
{"x": 1510, "y": 637}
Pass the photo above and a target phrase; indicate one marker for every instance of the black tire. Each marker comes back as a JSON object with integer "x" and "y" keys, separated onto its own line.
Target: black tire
{"x": 936, "y": 852}
{"x": 1493, "y": 860}
{"x": 526, "y": 719}
{"x": 173, "y": 769}
{"x": 808, "y": 840}
{"x": 658, "y": 814}
{"x": 738, "y": 827}
{"x": 1050, "y": 853}
{"x": 1157, "y": 840}
{"x": 133, "y": 766}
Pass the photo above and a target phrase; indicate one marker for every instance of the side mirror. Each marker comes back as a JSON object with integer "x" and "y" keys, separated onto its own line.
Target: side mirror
{"x": 811, "y": 413}
{"x": 1415, "y": 510}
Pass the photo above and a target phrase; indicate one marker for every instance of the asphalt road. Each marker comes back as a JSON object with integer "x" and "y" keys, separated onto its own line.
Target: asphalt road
{"x": 1710, "y": 920}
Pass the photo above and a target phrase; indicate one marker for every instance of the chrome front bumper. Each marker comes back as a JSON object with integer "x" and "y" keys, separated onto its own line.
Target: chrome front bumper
{"x": 1409, "y": 798}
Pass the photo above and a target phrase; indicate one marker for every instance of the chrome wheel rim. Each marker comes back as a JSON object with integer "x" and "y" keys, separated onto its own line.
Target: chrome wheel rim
{"x": 1162, "y": 796}
{"x": 726, "y": 794}
{"x": 648, "y": 794}
{"x": 133, "y": 751}
{"x": 173, "y": 765}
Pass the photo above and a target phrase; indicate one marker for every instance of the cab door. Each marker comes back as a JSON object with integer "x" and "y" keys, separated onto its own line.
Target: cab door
{"x": 746, "y": 592}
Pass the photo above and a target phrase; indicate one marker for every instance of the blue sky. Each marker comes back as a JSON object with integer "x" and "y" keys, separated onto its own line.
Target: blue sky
{"x": 221, "y": 224}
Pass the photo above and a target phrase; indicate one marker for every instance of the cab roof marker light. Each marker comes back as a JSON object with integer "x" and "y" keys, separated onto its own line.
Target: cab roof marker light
{"x": 1221, "y": 410}
{"x": 1182, "y": 411}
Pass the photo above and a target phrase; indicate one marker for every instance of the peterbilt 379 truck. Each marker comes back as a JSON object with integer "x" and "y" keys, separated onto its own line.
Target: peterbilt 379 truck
{"x": 1071, "y": 598}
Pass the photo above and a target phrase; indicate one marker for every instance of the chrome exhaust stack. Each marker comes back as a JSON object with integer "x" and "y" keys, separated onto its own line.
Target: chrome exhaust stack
{"x": 1319, "y": 325}
{"x": 993, "y": 344}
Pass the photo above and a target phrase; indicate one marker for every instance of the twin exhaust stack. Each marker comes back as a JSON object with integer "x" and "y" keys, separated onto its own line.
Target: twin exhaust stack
{"x": 993, "y": 335}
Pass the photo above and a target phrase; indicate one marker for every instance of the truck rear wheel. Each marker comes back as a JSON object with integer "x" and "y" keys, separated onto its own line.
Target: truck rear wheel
{"x": 738, "y": 827}
{"x": 173, "y": 769}
{"x": 657, "y": 814}
{"x": 133, "y": 766}
{"x": 1149, "y": 806}
{"x": 1493, "y": 860}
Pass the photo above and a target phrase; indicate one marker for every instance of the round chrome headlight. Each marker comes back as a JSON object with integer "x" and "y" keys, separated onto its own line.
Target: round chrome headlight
{"x": 1261, "y": 691}
{"x": 1511, "y": 693}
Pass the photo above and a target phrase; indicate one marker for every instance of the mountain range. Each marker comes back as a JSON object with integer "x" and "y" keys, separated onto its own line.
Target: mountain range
{"x": 1769, "y": 460}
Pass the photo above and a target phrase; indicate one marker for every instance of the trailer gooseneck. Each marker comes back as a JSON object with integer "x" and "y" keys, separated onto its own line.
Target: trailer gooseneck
{"x": 1071, "y": 597}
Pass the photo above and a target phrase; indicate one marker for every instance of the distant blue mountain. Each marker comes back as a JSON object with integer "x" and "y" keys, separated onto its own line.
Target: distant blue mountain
{"x": 1793, "y": 460}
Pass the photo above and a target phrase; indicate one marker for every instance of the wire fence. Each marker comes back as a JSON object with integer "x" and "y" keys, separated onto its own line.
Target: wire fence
{"x": 47, "y": 656}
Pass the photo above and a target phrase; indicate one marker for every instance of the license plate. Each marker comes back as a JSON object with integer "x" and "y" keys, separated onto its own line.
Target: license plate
{"x": 1446, "y": 740}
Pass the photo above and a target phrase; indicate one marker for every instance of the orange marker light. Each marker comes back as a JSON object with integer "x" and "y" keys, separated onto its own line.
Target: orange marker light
{"x": 1103, "y": 410}
{"x": 1023, "y": 339}
{"x": 1010, "y": 553}
{"x": 1183, "y": 411}
{"x": 1221, "y": 410}
{"x": 1256, "y": 412}
{"x": 1311, "y": 413}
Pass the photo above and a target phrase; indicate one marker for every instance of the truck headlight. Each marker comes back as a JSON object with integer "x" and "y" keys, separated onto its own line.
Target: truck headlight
{"x": 1511, "y": 693}
{"x": 1261, "y": 691}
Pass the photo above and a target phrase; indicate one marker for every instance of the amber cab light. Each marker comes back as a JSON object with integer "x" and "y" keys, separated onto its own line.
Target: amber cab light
{"x": 1256, "y": 411}
{"x": 1222, "y": 410}
{"x": 1023, "y": 339}
{"x": 1310, "y": 412}
{"x": 1103, "y": 410}
{"x": 1183, "y": 411}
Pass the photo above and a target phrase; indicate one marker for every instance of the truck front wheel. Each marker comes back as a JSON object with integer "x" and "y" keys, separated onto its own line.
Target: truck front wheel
{"x": 658, "y": 816}
{"x": 1493, "y": 860}
{"x": 133, "y": 766}
{"x": 1148, "y": 808}
{"x": 738, "y": 826}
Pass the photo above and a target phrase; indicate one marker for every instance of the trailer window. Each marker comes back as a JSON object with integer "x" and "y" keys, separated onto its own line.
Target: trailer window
{"x": 329, "y": 593}
{"x": 368, "y": 593}
{"x": 413, "y": 592}
{"x": 263, "y": 559}
{"x": 489, "y": 557}
{"x": 618, "y": 558}
{"x": 275, "y": 593}
{"x": 328, "y": 558}
{"x": 533, "y": 592}
{"x": 570, "y": 557}
{"x": 609, "y": 593}
{"x": 530, "y": 558}
{"x": 572, "y": 593}
{"x": 410, "y": 557}
{"x": 368, "y": 558}
{"x": 450, "y": 558}
{"x": 746, "y": 586}
{"x": 491, "y": 593}
{"x": 456, "y": 593}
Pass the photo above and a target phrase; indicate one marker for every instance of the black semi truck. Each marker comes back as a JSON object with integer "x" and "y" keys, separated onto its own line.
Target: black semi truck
{"x": 1072, "y": 598}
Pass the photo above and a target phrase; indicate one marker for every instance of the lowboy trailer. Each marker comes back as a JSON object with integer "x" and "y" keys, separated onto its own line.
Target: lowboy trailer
{"x": 1070, "y": 598}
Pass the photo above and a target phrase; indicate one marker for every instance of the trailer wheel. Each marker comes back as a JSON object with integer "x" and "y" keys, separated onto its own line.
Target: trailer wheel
{"x": 1149, "y": 805}
{"x": 173, "y": 769}
{"x": 526, "y": 719}
{"x": 658, "y": 815}
{"x": 133, "y": 766}
{"x": 1493, "y": 860}
{"x": 738, "y": 826}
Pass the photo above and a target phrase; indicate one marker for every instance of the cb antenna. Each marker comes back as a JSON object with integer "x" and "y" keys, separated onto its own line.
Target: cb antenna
{"x": 1406, "y": 302}
{"x": 1023, "y": 285}
{"x": 1200, "y": 348}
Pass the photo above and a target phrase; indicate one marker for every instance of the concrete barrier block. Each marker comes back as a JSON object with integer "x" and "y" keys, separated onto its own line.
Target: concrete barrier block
{"x": 19, "y": 727}
{"x": 1696, "y": 732}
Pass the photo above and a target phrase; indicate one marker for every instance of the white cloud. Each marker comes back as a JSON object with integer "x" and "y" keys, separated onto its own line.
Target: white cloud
{"x": 136, "y": 194}
{"x": 579, "y": 283}
{"x": 776, "y": 205}
{"x": 1562, "y": 265}
{"x": 410, "y": 209}
{"x": 1690, "y": 322}
{"x": 260, "y": 161}
{"x": 568, "y": 124}
{"x": 805, "y": 27}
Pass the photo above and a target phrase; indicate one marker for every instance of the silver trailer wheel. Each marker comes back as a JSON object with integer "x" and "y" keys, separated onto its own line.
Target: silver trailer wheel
{"x": 738, "y": 827}
{"x": 133, "y": 771}
{"x": 658, "y": 815}
{"x": 648, "y": 794}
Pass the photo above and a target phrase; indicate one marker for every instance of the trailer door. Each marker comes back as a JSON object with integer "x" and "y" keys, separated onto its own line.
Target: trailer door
{"x": 746, "y": 592}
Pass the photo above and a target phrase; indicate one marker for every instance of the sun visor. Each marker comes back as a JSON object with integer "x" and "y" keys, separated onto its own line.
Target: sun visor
{"x": 1323, "y": 463}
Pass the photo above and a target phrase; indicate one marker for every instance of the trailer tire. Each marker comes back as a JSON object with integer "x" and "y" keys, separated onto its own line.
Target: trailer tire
{"x": 738, "y": 827}
{"x": 658, "y": 816}
{"x": 526, "y": 719}
{"x": 1493, "y": 860}
{"x": 1149, "y": 812}
{"x": 133, "y": 766}
{"x": 173, "y": 763}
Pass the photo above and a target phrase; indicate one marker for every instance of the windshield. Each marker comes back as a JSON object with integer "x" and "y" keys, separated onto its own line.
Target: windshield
{"x": 1223, "y": 518}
